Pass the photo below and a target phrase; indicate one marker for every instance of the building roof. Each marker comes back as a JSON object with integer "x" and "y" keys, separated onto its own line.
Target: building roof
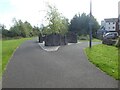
{"x": 111, "y": 20}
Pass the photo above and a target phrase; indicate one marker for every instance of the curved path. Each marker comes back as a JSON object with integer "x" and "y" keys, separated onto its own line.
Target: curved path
{"x": 32, "y": 67}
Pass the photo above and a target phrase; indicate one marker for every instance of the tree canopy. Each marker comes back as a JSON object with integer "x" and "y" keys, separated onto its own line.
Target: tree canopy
{"x": 19, "y": 29}
{"x": 57, "y": 22}
{"x": 80, "y": 24}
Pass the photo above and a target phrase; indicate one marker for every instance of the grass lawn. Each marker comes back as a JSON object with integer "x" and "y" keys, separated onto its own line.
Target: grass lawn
{"x": 8, "y": 48}
{"x": 105, "y": 57}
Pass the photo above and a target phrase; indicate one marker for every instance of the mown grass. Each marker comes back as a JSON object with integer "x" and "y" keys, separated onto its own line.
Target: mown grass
{"x": 105, "y": 57}
{"x": 8, "y": 48}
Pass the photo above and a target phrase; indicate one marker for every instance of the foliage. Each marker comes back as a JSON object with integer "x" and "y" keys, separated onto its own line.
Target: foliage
{"x": 105, "y": 57}
{"x": 80, "y": 24}
{"x": 23, "y": 29}
{"x": 4, "y": 31}
{"x": 64, "y": 25}
{"x": 19, "y": 29}
{"x": 57, "y": 23}
{"x": 36, "y": 31}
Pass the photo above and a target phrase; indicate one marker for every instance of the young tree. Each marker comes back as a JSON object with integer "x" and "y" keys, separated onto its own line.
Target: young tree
{"x": 57, "y": 23}
{"x": 64, "y": 24}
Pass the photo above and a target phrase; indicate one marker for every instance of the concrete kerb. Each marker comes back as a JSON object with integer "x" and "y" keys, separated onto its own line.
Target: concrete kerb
{"x": 51, "y": 48}
{"x": 48, "y": 48}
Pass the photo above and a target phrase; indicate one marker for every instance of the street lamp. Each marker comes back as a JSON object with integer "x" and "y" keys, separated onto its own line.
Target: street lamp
{"x": 90, "y": 25}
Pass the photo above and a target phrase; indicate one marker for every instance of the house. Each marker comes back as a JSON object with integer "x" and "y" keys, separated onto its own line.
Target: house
{"x": 107, "y": 25}
{"x": 110, "y": 24}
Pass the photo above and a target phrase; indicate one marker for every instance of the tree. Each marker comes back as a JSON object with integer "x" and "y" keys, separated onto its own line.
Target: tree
{"x": 80, "y": 24}
{"x": 57, "y": 23}
{"x": 36, "y": 31}
{"x": 17, "y": 28}
{"x": 22, "y": 29}
{"x": 3, "y": 31}
{"x": 28, "y": 30}
{"x": 95, "y": 27}
{"x": 64, "y": 24}
{"x": 74, "y": 24}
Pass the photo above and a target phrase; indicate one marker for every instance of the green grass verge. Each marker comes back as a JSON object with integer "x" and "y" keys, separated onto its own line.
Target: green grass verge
{"x": 8, "y": 48}
{"x": 105, "y": 57}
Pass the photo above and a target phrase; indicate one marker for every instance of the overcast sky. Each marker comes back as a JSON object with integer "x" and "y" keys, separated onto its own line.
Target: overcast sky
{"x": 32, "y": 10}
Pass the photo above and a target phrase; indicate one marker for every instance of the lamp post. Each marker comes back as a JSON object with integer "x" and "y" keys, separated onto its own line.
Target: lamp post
{"x": 90, "y": 25}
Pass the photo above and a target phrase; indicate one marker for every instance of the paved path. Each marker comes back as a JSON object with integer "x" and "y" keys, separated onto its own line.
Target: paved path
{"x": 32, "y": 67}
